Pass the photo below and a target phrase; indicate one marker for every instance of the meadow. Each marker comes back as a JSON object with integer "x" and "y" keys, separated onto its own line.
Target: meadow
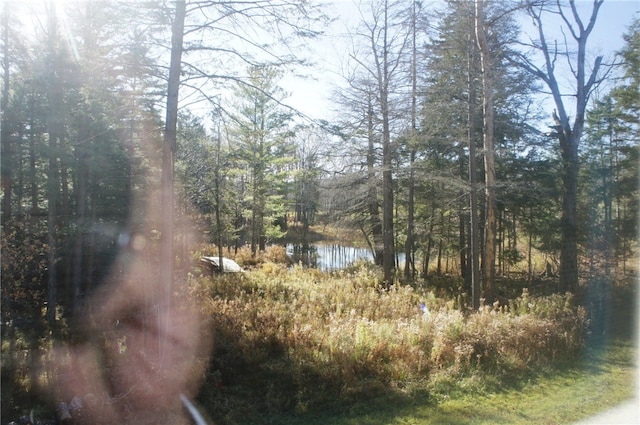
{"x": 293, "y": 345}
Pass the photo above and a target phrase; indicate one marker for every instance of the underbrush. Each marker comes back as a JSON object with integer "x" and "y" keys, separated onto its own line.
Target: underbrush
{"x": 295, "y": 340}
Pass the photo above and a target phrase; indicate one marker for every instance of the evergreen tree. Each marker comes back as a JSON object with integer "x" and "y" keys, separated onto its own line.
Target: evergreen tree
{"x": 261, "y": 142}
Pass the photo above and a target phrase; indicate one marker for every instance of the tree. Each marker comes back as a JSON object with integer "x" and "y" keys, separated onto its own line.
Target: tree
{"x": 306, "y": 175}
{"x": 454, "y": 95}
{"x": 489, "y": 258}
{"x": 7, "y": 148}
{"x": 628, "y": 93}
{"x": 360, "y": 128}
{"x": 58, "y": 127}
{"x": 610, "y": 148}
{"x": 409, "y": 267}
{"x": 167, "y": 255}
{"x": 627, "y": 107}
{"x": 262, "y": 136}
{"x": 386, "y": 37}
{"x": 474, "y": 225}
{"x": 451, "y": 99}
{"x": 568, "y": 132}
{"x": 54, "y": 130}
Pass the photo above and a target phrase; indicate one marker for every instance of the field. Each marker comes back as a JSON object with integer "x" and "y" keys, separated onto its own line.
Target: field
{"x": 298, "y": 346}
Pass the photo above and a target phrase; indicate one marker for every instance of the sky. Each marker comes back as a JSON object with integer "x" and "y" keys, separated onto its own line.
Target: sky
{"x": 330, "y": 53}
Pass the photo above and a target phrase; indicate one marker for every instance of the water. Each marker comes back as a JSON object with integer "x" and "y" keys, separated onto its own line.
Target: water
{"x": 328, "y": 257}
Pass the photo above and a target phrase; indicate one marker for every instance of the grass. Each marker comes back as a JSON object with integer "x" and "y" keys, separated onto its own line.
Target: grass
{"x": 298, "y": 346}
{"x": 302, "y": 347}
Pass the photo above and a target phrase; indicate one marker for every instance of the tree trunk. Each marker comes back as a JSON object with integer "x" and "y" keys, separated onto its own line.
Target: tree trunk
{"x": 463, "y": 251}
{"x": 489, "y": 258}
{"x": 474, "y": 237}
{"x": 568, "y": 222}
{"x": 54, "y": 96}
{"x": 372, "y": 192}
{"x": 7, "y": 148}
{"x": 408, "y": 249}
{"x": 427, "y": 254}
{"x": 33, "y": 177}
{"x": 529, "y": 249}
{"x": 167, "y": 215}
{"x": 388, "y": 263}
{"x": 218, "y": 188}
{"x": 81, "y": 210}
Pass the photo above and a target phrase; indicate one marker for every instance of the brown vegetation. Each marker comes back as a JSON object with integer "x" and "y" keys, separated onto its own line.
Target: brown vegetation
{"x": 297, "y": 339}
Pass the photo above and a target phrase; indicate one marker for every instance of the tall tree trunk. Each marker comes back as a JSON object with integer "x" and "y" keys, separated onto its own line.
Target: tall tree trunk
{"x": 409, "y": 268}
{"x": 218, "y": 188}
{"x": 489, "y": 258}
{"x": 372, "y": 192}
{"x": 388, "y": 263}
{"x": 6, "y": 145}
{"x": 81, "y": 210}
{"x": 33, "y": 177}
{"x": 262, "y": 201}
{"x": 53, "y": 128}
{"x": 474, "y": 237}
{"x": 167, "y": 215}
{"x": 568, "y": 221}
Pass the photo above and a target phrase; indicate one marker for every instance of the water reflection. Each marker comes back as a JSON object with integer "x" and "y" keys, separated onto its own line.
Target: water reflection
{"x": 327, "y": 257}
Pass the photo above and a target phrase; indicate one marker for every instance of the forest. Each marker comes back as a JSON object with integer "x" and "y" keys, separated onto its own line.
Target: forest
{"x": 480, "y": 150}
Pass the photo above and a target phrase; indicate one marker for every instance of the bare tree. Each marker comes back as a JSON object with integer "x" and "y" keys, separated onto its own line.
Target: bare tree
{"x": 387, "y": 38}
{"x": 360, "y": 126}
{"x": 567, "y": 131}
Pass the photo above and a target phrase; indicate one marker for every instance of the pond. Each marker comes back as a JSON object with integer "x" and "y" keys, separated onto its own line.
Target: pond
{"x": 328, "y": 257}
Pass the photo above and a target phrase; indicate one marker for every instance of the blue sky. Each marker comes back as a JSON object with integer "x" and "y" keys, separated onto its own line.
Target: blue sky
{"x": 312, "y": 96}
{"x": 614, "y": 20}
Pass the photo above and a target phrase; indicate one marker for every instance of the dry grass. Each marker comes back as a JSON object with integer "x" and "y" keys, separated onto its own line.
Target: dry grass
{"x": 304, "y": 337}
